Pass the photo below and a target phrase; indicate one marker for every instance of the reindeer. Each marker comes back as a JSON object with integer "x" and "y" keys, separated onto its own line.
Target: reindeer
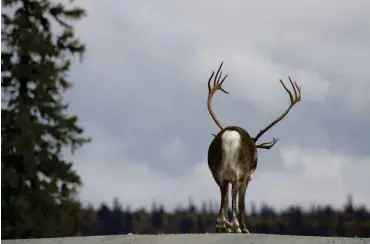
{"x": 232, "y": 157}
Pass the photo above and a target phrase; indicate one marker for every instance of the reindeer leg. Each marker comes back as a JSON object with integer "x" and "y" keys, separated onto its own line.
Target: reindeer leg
{"x": 242, "y": 191}
{"x": 235, "y": 222}
{"x": 226, "y": 209}
{"x": 222, "y": 225}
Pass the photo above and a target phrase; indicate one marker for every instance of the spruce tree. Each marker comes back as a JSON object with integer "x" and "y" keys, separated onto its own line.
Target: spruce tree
{"x": 38, "y": 183}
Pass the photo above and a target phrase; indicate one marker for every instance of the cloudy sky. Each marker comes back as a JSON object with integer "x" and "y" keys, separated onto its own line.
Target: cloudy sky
{"x": 141, "y": 94}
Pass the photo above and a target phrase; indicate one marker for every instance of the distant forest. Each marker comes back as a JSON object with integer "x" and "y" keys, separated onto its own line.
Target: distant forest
{"x": 351, "y": 221}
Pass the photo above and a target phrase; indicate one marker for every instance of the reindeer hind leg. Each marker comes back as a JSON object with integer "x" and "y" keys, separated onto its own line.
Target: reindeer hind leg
{"x": 235, "y": 222}
{"x": 222, "y": 224}
{"x": 242, "y": 190}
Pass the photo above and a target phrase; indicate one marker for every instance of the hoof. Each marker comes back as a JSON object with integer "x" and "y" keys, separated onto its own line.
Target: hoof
{"x": 222, "y": 225}
{"x": 228, "y": 224}
{"x": 218, "y": 229}
{"x": 245, "y": 230}
{"x": 236, "y": 228}
{"x": 222, "y": 229}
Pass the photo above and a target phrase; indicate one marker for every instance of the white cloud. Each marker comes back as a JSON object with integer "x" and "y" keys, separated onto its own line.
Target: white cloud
{"x": 142, "y": 88}
{"x": 245, "y": 34}
{"x": 319, "y": 177}
{"x": 317, "y": 36}
{"x": 255, "y": 78}
{"x": 139, "y": 184}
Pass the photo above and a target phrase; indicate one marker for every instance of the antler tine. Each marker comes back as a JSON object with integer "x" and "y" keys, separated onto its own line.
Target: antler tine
{"x": 294, "y": 88}
{"x": 268, "y": 145}
{"x": 293, "y": 100}
{"x": 217, "y": 78}
{"x": 217, "y": 85}
{"x": 287, "y": 90}
{"x": 299, "y": 92}
{"x": 209, "y": 81}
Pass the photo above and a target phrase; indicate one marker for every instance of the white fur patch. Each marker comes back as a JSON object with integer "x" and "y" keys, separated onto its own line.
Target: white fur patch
{"x": 231, "y": 142}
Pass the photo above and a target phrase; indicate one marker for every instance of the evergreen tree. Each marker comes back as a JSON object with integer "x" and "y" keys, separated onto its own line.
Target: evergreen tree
{"x": 38, "y": 184}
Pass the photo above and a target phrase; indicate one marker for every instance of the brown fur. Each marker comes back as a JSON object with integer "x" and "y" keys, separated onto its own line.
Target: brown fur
{"x": 247, "y": 161}
{"x": 246, "y": 157}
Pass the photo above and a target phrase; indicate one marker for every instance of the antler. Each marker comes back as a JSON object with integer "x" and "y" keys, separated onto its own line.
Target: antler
{"x": 217, "y": 85}
{"x": 268, "y": 145}
{"x": 293, "y": 101}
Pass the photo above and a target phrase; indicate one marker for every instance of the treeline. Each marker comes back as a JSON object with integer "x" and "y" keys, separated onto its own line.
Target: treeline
{"x": 351, "y": 221}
